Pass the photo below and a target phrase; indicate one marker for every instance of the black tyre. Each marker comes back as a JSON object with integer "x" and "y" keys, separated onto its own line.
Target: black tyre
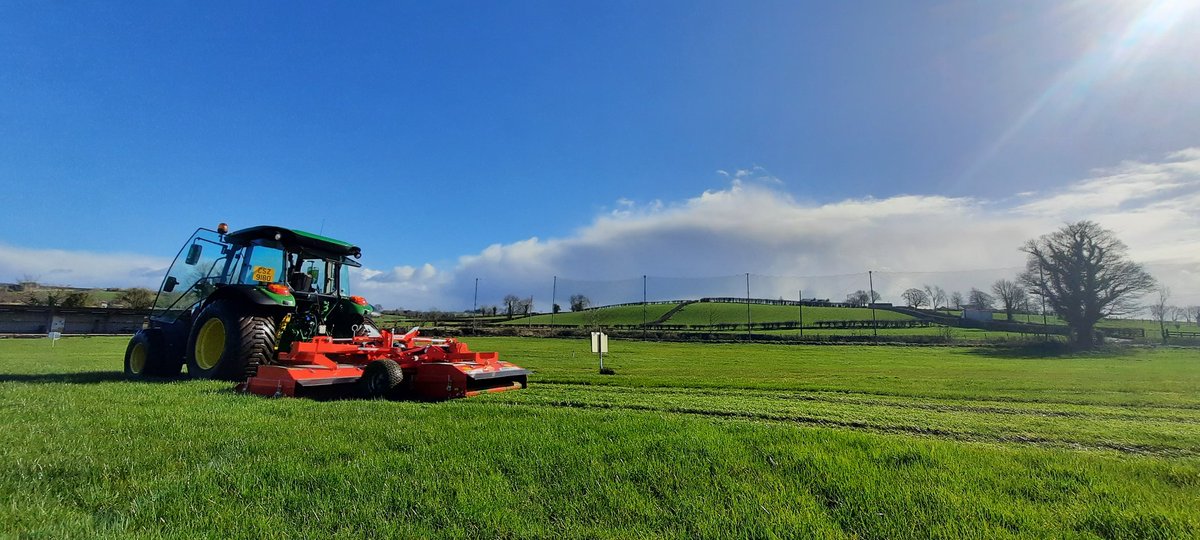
{"x": 381, "y": 379}
{"x": 146, "y": 356}
{"x": 229, "y": 341}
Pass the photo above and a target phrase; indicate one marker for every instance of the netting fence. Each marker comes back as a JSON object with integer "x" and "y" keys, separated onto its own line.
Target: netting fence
{"x": 560, "y": 296}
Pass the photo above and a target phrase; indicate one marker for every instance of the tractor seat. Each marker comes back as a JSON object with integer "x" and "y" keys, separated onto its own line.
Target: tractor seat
{"x": 300, "y": 282}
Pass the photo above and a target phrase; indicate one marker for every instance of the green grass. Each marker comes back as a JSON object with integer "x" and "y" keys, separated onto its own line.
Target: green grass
{"x": 685, "y": 441}
{"x": 708, "y": 313}
{"x": 705, "y": 313}
{"x": 956, "y": 334}
{"x": 1151, "y": 327}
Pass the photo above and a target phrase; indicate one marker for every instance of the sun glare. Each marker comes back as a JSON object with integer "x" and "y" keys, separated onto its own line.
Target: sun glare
{"x": 1131, "y": 35}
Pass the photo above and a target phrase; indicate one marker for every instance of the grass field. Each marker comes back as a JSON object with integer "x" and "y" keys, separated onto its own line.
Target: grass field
{"x": 685, "y": 441}
{"x": 705, "y": 312}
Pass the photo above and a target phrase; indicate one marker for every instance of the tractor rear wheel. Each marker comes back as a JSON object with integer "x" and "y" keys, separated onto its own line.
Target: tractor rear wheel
{"x": 146, "y": 356}
{"x": 381, "y": 379}
{"x": 229, "y": 341}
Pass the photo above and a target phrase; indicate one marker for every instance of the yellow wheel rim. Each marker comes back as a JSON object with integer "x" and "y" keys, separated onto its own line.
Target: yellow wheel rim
{"x": 137, "y": 358}
{"x": 210, "y": 343}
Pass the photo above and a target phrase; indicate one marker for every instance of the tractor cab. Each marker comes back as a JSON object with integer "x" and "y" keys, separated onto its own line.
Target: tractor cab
{"x": 298, "y": 281}
{"x": 305, "y": 270}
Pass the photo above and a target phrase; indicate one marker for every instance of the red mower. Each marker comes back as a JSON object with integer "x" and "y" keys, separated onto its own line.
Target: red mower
{"x": 388, "y": 366}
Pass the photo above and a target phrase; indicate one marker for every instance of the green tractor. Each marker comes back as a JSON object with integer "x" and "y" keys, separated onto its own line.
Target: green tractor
{"x": 231, "y": 301}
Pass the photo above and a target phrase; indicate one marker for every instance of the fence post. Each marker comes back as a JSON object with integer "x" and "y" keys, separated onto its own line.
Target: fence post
{"x": 871, "y": 299}
{"x": 800, "y": 295}
{"x": 749, "y": 335}
{"x": 643, "y": 306}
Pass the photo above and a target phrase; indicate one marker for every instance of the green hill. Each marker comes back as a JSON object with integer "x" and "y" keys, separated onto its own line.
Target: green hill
{"x": 599, "y": 316}
{"x": 709, "y": 313}
{"x": 717, "y": 313}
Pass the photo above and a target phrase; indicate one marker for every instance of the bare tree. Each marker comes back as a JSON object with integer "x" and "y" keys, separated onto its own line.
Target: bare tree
{"x": 512, "y": 304}
{"x": 1026, "y": 306}
{"x": 28, "y": 282}
{"x": 595, "y": 318}
{"x": 579, "y": 302}
{"x": 1083, "y": 273}
{"x": 1011, "y": 295}
{"x": 937, "y": 296}
{"x": 915, "y": 298}
{"x": 711, "y": 313}
{"x": 1160, "y": 310}
{"x": 861, "y": 298}
{"x": 956, "y": 300}
{"x": 978, "y": 299}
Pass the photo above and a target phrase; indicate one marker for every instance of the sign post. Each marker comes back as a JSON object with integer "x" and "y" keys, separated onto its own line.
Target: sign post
{"x": 600, "y": 346}
{"x": 57, "y": 323}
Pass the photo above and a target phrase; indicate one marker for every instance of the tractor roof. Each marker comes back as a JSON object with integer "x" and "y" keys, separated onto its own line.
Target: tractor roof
{"x": 296, "y": 240}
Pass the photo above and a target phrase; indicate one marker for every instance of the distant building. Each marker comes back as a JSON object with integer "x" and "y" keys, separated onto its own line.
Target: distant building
{"x": 977, "y": 314}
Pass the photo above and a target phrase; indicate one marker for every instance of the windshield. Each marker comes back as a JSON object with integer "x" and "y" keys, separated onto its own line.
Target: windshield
{"x": 196, "y": 271}
{"x": 261, "y": 264}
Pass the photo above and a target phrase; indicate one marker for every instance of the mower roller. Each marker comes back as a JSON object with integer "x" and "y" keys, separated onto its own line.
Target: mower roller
{"x": 269, "y": 307}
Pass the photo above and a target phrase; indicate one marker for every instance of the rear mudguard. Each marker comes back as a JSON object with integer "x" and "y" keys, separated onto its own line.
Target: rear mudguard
{"x": 254, "y": 295}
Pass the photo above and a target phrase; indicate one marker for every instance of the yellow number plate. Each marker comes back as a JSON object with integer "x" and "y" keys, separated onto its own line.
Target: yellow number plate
{"x": 264, "y": 273}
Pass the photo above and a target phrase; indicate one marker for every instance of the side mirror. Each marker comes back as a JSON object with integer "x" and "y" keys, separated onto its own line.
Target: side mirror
{"x": 193, "y": 254}
{"x": 171, "y": 282}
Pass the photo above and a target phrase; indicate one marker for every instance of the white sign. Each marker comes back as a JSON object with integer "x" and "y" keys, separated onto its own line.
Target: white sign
{"x": 600, "y": 346}
{"x": 599, "y": 342}
{"x": 57, "y": 323}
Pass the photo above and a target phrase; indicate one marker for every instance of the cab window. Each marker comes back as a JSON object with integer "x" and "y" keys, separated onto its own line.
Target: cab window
{"x": 195, "y": 273}
{"x": 261, "y": 264}
{"x": 316, "y": 275}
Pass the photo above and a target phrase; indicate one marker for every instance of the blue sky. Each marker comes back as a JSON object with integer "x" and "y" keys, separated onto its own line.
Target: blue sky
{"x": 428, "y": 132}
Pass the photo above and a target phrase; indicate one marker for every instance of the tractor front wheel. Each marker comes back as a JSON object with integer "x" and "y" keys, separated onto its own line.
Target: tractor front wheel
{"x": 381, "y": 379}
{"x": 228, "y": 341}
{"x": 146, "y": 356}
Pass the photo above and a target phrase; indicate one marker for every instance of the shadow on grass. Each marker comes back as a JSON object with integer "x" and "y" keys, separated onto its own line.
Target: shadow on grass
{"x": 80, "y": 377}
{"x": 337, "y": 392}
{"x": 321, "y": 393}
{"x": 1050, "y": 350}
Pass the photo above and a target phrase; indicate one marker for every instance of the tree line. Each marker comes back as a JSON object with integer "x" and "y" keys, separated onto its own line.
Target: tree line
{"x": 1080, "y": 272}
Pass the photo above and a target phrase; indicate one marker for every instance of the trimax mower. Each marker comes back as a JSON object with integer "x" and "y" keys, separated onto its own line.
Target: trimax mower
{"x": 269, "y": 307}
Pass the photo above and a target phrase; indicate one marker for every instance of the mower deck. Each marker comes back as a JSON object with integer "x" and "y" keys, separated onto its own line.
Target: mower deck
{"x": 433, "y": 369}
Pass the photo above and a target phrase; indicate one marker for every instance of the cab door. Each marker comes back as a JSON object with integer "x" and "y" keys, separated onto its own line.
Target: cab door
{"x": 201, "y": 265}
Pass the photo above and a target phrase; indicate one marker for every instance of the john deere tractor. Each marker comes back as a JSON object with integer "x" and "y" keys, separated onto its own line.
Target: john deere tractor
{"x": 231, "y": 301}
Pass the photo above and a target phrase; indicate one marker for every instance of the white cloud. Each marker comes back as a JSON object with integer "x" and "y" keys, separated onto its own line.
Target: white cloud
{"x": 81, "y": 268}
{"x": 758, "y": 228}
{"x": 1130, "y": 182}
{"x": 754, "y": 226}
